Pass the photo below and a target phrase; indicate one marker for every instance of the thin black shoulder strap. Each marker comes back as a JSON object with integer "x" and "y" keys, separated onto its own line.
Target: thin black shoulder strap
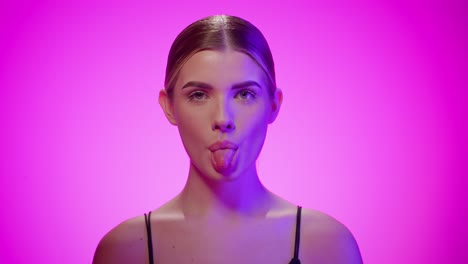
{"x": 150, "y": 240}
{"x": 295, "y": 259}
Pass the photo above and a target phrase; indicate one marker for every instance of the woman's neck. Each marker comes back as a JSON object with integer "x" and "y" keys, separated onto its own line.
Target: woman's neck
{"x": 243, "y": 197}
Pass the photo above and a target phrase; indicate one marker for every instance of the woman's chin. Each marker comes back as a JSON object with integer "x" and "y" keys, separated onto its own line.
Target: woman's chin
{"x": 224, "y": 175}
{"x": 219, "y": 175}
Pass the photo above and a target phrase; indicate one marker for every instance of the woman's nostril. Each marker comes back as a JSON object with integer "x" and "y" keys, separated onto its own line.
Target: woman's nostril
{"x": 224, "y": 126}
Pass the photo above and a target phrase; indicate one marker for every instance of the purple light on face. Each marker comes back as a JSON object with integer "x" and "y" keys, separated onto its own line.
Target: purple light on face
{"x": 372, "y": 130}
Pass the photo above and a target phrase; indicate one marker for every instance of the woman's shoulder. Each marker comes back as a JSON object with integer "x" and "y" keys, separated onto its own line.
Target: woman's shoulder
{"x": 317, "y": 221}
{"x": 325, "y": 238}
{"x": 125, "y": 243}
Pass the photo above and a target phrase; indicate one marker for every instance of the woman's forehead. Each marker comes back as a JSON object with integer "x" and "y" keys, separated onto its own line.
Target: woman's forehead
{"x": 220, "y": 68}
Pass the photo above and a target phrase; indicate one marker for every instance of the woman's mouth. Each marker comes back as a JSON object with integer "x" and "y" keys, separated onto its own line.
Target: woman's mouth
{"x": 222, "y": 155}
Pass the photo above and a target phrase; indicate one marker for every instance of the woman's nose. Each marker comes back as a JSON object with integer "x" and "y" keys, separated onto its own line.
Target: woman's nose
{"x": 223, "y": 118}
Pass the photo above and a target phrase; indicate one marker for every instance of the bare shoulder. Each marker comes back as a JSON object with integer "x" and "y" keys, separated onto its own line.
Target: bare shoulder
{"x": 125, "y": 243}
{"x": 325, "y": 240}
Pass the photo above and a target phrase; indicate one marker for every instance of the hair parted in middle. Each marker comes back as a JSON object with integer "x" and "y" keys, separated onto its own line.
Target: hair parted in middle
{"x": 219, "y": 32}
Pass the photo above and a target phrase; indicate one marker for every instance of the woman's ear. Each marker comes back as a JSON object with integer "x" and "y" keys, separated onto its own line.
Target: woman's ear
{"x": 276, "y": 104}
{"x": 166, "y": 105}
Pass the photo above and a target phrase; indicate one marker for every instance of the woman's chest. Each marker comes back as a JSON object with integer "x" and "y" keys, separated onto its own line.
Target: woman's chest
{"x": 262, "y": 242}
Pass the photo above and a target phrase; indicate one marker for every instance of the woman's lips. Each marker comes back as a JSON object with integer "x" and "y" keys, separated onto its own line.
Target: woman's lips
{"x": 222, "y": 145}
{"x": 222, "y": 154}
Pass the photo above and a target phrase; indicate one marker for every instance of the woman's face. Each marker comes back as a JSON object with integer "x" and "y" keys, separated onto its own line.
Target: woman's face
{"x": 222, "y": 107}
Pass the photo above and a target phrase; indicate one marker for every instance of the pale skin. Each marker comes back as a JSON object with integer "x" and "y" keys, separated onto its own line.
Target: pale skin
{"x": 226, "y": 215}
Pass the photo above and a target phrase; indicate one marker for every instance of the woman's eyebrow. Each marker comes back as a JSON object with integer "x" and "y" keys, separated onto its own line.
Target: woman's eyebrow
{"x": 198, "y": 85}
{"x": 234, "y": 86}
{"x": 246, "y": 84}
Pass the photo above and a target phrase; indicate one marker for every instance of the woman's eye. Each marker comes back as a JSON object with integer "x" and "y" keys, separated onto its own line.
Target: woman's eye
{"x": 197, "y": 96}
{"x": 246, "y": 95}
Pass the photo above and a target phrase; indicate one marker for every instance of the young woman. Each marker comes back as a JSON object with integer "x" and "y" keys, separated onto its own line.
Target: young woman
{"x": 220, "y": 92}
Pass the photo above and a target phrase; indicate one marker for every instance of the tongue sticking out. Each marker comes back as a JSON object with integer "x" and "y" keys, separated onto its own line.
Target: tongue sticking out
{"x": 222, "y": 159}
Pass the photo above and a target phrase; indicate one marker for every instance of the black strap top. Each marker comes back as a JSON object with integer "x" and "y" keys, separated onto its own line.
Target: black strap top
{"x": 150, "y": 239}
{"x": 294, "y": 260}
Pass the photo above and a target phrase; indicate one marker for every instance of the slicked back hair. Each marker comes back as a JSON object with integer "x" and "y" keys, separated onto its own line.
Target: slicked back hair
{"x": 219, "y": 32}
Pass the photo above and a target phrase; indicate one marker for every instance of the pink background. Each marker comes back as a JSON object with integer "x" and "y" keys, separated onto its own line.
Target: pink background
{"x": 372, "y": 131}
